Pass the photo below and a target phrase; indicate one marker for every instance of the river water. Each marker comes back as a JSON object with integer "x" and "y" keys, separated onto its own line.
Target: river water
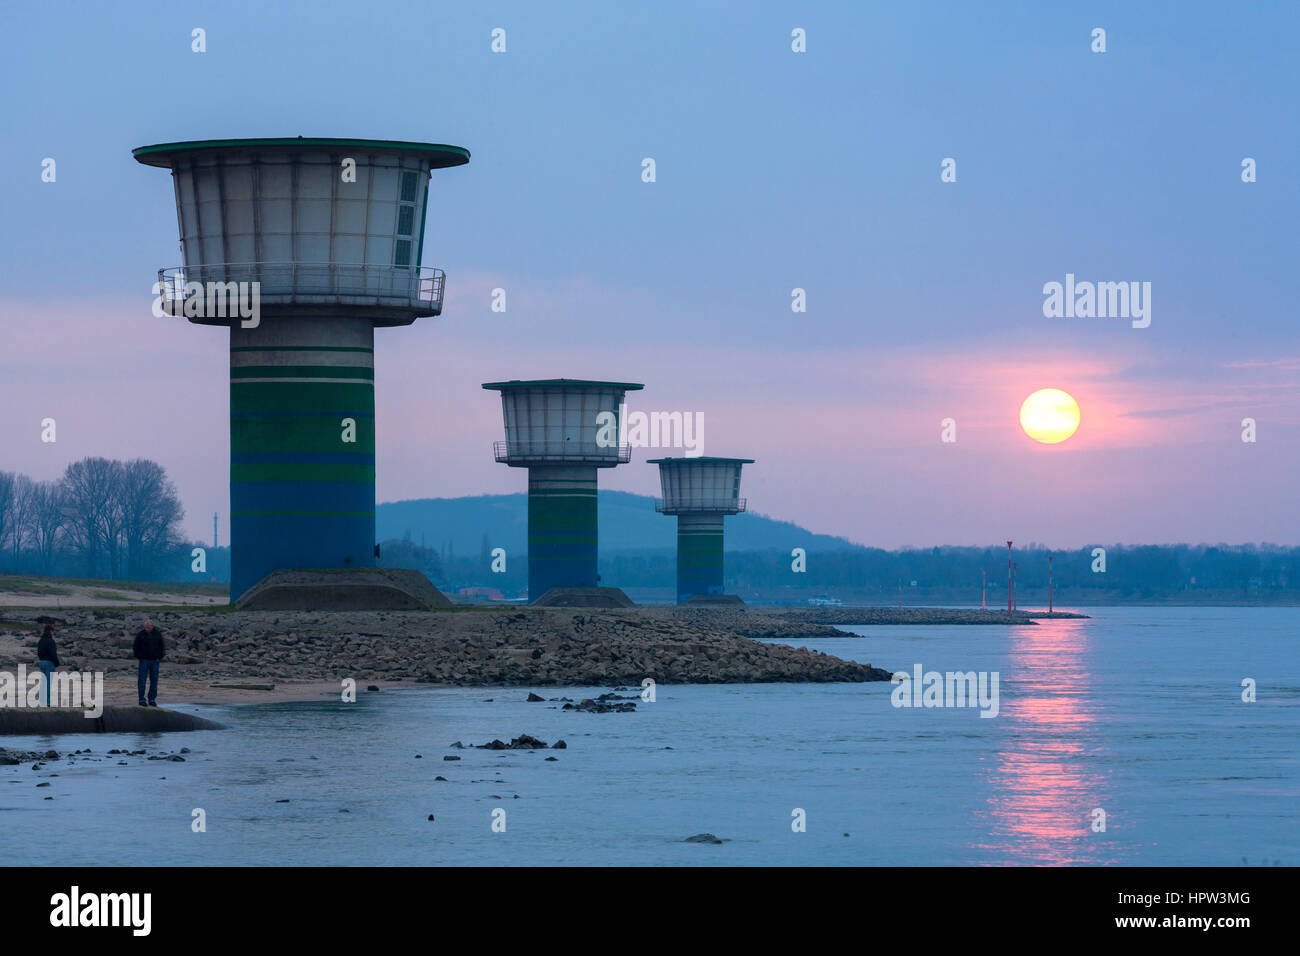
{"x": 1136, "y": 712}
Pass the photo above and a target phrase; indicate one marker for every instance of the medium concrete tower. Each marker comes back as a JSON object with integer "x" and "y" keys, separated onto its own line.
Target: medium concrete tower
{"x": 562, "y": 431}
{"x": 325, "y": 237}
{"x": 700, "y": 491}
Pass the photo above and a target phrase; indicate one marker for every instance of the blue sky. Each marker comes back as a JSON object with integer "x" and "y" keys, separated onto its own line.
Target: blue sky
{"x": 774, "y": 170}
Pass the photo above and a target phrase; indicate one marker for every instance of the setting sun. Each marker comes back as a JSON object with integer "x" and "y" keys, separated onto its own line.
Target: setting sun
{"x": 1049, "y": 415}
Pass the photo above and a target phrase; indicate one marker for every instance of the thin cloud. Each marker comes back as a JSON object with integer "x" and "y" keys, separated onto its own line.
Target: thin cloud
{"x": 1189, "y": 410}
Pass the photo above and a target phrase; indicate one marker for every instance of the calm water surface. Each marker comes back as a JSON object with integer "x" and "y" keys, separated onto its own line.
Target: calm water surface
{"x": 1136, "y": 711}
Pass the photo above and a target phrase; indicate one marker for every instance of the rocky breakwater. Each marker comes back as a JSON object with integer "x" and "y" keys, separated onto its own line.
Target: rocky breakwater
{"x": 757, "y": 623}
{"x": 806, "y": 616}
{"x": 803, "y": 623}
{"x": 469, "y": 646}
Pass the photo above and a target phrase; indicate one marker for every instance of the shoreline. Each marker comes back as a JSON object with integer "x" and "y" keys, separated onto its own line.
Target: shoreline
{"x": 305, "y": 655}
{"x": 219, "y": 657}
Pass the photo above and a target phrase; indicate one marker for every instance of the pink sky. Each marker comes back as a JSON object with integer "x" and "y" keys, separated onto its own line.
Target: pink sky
{"x": 847, "y": 440}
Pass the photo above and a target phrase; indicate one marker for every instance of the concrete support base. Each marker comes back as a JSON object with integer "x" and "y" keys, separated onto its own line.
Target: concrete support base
{"x": 713, "y": 600}
{"x": 354, "y": 589}
{"x": 584, "y": 597}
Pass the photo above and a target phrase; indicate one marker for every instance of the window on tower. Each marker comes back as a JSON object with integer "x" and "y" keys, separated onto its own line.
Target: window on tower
{"x": 409, "y": 182}
{"x": 405, "y": 219}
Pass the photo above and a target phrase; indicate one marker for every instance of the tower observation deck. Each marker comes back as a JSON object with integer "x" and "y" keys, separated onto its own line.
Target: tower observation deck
{"x": 559, "y": 429}
{"x": 700, "y": 492}
{"x": 323, "y": 239}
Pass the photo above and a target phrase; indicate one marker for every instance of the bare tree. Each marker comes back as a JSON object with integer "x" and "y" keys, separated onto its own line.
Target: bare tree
{"x": 46, "y": 520}
{"x": 7, "y": 481}
{"x": 151, "y": 512}
{"x": 20, "y": 531}
{"x": 92, "y": 506}
{"x": 115, "y": 520}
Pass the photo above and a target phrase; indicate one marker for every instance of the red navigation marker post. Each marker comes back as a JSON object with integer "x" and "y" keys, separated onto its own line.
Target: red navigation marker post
{"x": 984, "y": 591}
{"x": 1049, "y": 584}
{"x": 1008, "y": 577}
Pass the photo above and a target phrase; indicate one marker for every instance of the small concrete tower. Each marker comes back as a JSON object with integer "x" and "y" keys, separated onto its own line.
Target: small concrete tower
{"x": 700, "y": 491}
{"x": 327, "y": 235}
{"x": 561, "y": 430}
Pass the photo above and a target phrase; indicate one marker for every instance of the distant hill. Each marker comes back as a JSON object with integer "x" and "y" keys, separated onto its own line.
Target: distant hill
{"x": 628, "y": 522}
{"x": 638, "y": 554}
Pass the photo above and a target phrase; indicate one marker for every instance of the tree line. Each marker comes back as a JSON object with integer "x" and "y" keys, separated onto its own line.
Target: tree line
{"x": 100, "y": 519}
{"x": 1191, "y": 573}
{"x": 1124, "y": 572}
{"x": 121, "y": 520}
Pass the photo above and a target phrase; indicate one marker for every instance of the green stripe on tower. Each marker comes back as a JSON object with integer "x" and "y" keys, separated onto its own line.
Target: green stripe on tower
{"x": 303, "y": 371}
{"x": 301, "y": 471}
{"x": 562, "y": 527}
{"x": 302, "y": 445}
{"x": 699, "y": 554}
{"x": 302, "y": 348}
{"x": 303, "y": 433}
{"x": 342, "y": 398}
{"x": 307, "y": 514}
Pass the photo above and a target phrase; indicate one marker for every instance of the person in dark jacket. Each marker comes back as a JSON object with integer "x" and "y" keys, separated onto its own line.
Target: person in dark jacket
{"x": 149, "y": 650}
{"x": 47, "y": 655}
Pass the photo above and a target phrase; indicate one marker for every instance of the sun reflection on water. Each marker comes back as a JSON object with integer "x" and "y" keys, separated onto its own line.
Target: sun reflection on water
{"x": 1045, "y": 779}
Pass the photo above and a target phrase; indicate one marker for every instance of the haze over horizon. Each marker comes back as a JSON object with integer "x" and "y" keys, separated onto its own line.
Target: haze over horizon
{"x": 775, "y": 171}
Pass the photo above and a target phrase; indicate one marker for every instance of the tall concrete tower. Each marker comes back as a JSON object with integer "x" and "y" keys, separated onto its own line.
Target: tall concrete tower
{"x": 561, "y": 430}
{"x": 700, "y": 491}
{"x": 327, "y": 235}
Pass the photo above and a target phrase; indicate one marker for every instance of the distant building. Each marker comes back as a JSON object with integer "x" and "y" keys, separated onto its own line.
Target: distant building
{"x": 492, "y": 594}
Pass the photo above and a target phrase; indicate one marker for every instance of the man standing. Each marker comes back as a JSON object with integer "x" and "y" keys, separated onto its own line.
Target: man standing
{"x": 47, "y": 655}
{"x": 149, "y": 650}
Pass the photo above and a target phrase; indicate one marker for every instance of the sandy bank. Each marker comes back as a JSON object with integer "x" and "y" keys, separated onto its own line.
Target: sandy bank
{"x": 59, "y": 594}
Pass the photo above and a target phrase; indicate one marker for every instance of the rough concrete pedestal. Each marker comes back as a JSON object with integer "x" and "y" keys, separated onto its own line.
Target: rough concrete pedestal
{"x": 357, "y": 589}
{"x": 713, "y": 600}
{"x": 584, "y": 597}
